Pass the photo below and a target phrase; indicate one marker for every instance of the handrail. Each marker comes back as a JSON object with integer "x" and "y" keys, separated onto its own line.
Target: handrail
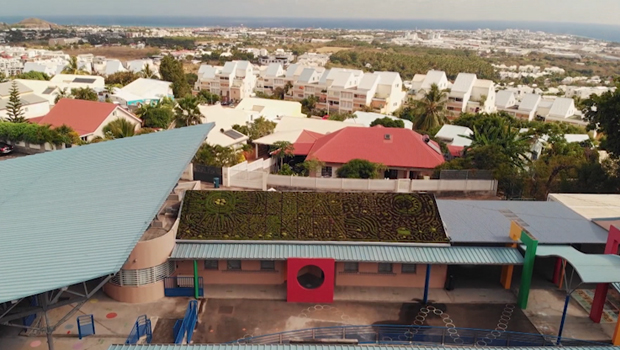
{"x": 414, "y": 334}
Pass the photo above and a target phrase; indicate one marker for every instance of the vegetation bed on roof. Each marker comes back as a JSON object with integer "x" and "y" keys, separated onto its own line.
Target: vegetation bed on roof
{"x": 310, "y": 216}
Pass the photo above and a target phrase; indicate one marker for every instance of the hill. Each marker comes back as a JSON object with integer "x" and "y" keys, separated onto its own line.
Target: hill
{"x": 36, "y": 23}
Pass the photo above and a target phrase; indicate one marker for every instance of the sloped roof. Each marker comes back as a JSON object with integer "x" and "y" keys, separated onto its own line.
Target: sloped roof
{"x": 273, "y": 70}
{"x": 366, "y": 118}
{"x": 305, "y": 141}
{"x": 224, "y": 119}
{"x": 561, "y": 107}
{"x": 387, "y": 78}
{"x": 529, "y": 102}
{"x": 76, "y": 214}
{"x": 317, "y": 125}
{"x": 590, "y": 206}
{"x": 306, "y": 75}
{"x": 148, "y": 88}
{"x": 433, "y": 77}
{"x": 454, "y": 134}
{"x": 368, "y": 81}
{"x": 5, "y": 88}
{"x": 464, "y": 82}
{"x": 26, "y": 100}
{"x": 392, "y": 147}
{"x": 503, "y": 97}
{"x": 82, "y": 116}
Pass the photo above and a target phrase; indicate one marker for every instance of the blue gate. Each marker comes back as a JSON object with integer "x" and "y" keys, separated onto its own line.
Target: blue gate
{"x": 184, "y": 329}
{"x": 142, "y": 327}
{"x": 182, "y": 287}
{"x": 86, "y": 325}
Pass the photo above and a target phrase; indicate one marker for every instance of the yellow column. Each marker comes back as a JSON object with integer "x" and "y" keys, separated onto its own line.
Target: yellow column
{"x": 506, "y": 279}
{"x": 616, "y": 338}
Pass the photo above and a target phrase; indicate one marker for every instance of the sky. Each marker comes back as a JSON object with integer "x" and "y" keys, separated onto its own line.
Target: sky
{"x": 571, "y": 11}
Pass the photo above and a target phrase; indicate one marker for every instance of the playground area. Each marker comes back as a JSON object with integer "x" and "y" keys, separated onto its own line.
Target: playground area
{"x": 225, "y": 320}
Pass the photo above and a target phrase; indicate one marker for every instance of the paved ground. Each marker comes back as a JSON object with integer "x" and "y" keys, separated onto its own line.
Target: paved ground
{"x": 225, "y": 320}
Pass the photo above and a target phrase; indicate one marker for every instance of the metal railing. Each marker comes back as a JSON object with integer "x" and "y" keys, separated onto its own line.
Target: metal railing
{"x": 413, "y": 334}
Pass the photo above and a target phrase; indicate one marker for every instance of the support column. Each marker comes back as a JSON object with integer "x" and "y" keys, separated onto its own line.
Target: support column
{"x": 196, "y": 279}
{"x": 613, "y": 240}
{"x": 507, "y": 270}
{"x": 557, "y": 271}
{"x": 616, "y": 338}
{"x": 427, "y": 282}
{"x": 566, "y": 301}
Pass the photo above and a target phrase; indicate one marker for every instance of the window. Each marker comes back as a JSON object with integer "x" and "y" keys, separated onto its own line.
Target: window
{"x": 211, "y": 264}
{"x": 351, "y": 267}
{"x": 385, "y": 268}
{"x": 326, "y": 171}
{"x": 268, "y": 265}
{"x": 233, "y": 265}
{"x": 408, "y": 268}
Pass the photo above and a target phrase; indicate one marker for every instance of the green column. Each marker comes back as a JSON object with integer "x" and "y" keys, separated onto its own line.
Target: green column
{"x": 528, "y": 268}
{"x": 196, "y": 285}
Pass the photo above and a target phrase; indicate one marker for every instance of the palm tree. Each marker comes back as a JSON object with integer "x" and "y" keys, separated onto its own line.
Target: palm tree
{"x": 512, "y": 143}
{"x": 431, "y": 110}
{"x": 187, "y": 112}
{"x": 282, "y": 149}
{"x": 119, "y": 128}
{"x": 147, "y": 72}
{"x": 62, "y": 93}
{"x": 73, "y": 67}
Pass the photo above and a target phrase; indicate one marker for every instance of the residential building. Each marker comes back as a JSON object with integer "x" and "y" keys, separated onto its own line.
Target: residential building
{"x": 482, "y": 99}
{"x": 455, "y": 137}
{"x": 281, "y": 57}
{"x": 378, "y": 145}
{"x": 270, "y": 78}
{"x": 42, "y": 88}
{"x": 71, "y": 81}
{"x": 366, "y": 118}
{"x": 305, "y": 84}
{"x": 142, "y": 91}
{"x": 33, "y": 105}
{"x": 224, "y": 118}
{"x": 49, "y": 67}
{"x": 423, "y": 82}
{"x": 138, "y": 66}
{"x": 63, "y": 41}
{"x": 460, "y": 93}
{"x": 561, "y": 108}
{"x": 528, "y": 107}
{"x": 313, "y": 59}
{"x": 10, "y": 66}
{"x": 270, "y": 109}
{"x": 233, "y": 82}
{"x": 87, "y": 118}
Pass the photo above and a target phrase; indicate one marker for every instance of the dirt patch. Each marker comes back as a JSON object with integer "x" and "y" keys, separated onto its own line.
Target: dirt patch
{"x": 334, "y": 49}
{"x": 122, "y": 53}
{"x": 163, "y": 332}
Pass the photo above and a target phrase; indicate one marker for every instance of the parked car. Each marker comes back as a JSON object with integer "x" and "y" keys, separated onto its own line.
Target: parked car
{"x": 5, "y": 148}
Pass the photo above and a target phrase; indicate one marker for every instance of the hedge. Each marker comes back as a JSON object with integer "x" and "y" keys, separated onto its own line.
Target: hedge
{"x": 37, "y": 134}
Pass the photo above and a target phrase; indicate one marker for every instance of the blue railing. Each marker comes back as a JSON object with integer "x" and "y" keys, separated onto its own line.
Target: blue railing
{"x": 423, "y": 335}
{"x": 184, "y": 329}
{"x": 142, "y": 327}
{"x": 182, "y": 287}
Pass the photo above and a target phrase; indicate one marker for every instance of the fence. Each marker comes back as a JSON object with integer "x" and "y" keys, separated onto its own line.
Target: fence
{"x": 182, "y": 286}
{"x": 412, "y": 334}
{"x": 33, "y": 148}
{"x": 206, "y": 173}
{"x": 141, "y": 328}
{"x": 466, "y": 175}
{"x": 184, "y": 329}
{"x": 261, "y": 181}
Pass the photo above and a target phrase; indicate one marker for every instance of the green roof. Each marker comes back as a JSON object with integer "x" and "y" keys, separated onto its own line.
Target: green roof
{"x": 311, "y": 216}
{"x": 345, "y": 251}
{"x": 336, "y": 347}
{"x": 73, "y": 215}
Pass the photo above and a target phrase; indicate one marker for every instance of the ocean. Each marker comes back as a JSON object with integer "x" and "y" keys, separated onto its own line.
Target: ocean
{"x": 595, "y": 31}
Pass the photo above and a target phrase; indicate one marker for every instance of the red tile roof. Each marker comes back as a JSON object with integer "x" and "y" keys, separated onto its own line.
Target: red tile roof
{"x": 84, "y": 117}
{"x": 404, "y": 148}
{"x": 305, "y": 141}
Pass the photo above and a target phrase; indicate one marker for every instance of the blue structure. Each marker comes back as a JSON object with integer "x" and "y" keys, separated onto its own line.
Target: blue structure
{"x": 142, "y": 327}
{"x": 86, "y": 325}
{"x": 184, "y": 330}
{"x": 182, "y": 286}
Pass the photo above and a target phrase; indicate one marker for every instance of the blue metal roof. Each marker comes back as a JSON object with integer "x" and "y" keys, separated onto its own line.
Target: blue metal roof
{"x": 478, "y": 221}
{"x": 591, "y": 268}
{"x": 334, "y": 347}
{"x": 393, "y": 253}
{"x": 73, "y": 215}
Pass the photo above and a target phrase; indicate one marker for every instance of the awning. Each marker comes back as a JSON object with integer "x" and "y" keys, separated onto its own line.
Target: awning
{"x": 591, "y": 268}
{"x": 389, "y": 253}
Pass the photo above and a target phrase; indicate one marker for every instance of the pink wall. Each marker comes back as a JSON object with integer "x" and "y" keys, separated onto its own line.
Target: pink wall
{"x": 250, "y": 273}
{"x": 141, "y": 294}
{"x": 152, "y": 252}
{"x": 366, "y": 277}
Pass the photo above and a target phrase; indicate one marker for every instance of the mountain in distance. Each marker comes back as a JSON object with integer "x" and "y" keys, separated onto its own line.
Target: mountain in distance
{"x": 35, "y": 23}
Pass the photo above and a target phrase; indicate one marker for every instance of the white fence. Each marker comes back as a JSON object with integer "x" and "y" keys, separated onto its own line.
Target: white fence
{"x": 248, "y": 175}
{"x": 30, "y": 148}
{"x": 262, "y": 181}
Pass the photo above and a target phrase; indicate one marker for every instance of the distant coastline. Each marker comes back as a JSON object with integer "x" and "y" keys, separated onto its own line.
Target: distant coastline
{"x": 594, "y": 31}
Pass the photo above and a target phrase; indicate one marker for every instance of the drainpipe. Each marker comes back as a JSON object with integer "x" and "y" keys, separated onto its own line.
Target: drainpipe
{"x": 196, "y": 286}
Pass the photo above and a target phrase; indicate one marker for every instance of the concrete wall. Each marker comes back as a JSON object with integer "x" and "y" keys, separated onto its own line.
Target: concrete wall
{"x": 140, "y": 294}
{"x": 367, "y": 276}
{"x": 152, "y": 252}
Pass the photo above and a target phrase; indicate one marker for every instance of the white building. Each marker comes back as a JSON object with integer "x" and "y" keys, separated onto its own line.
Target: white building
{"x": 71, "y": 81}
{"x": 32, "y": 105}
{"x": 270, "y": 109}
{"x": 142, "y": 91}
{"x": 472, "y": 95}
{"x": 423, "y": 82}
{"x": 233, "y": 82}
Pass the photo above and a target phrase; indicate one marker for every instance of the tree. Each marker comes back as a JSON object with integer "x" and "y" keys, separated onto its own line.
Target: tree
{"x": 147, "y": 72}
{"x": 217, "y": 156}
{"x": 341, "y": 116}
{"x": 388, "y": 122}
{"x": 121, "y": 78}
{"x": 73, "y": 67}
{"x": 431, "y": 110}
{"x": 84, "y": 93}
{"x": 14, "y": 108}
{"x": 191, "y": 78}
{"x": 187, "y": 112}
{"x": 509, "y": 141}
{"x": 32, "y": 75}
{"x": 119, "y": 128}
{"x": 157, "y": 117}
{"x": 360, "y": 169}
{"x": 3, "y": 78}
{"x": 308, "y": 104}
{"x": 258, "y": 128}
{"x": 172, "y": 70}
{"x": 62, "y": 93}
{"x": 603, "y": 114}
{"x": 282, "y": 149}
{"x": 207, "y": 97}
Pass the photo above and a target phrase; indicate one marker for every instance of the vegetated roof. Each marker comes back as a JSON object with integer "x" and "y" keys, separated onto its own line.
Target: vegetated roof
{"x": 529, "y": 102}
{"x": 481, "y": 221}
{"x": 392, "y": 147}
{"x": 308, "y": 216}
{"x": 73, "y": 215}
{"x": 82, "y": 116}
{"x": 358, "y": 252}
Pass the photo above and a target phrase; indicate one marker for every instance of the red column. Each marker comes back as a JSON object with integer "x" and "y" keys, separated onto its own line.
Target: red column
{"x": 600, "y": 295}
{"x": 557, "y": 271}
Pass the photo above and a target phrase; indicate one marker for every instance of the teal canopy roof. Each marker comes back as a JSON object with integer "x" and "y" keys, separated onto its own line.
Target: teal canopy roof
{"x": 347, "y": 251}
{"x": 73, "y": 215}
{"x": 591, "y": 268}
{"x": 331, "y": 347}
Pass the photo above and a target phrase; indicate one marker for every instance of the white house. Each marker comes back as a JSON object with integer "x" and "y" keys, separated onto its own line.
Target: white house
{"x": 224, "y": 118}
{"x": 42, "y": 88}
{"x": 460, "y": 93}
{"x": 423, "y": 82}
{"x": 454, "y": 135}
{"x": 32, "y": 105}
{"x": 272, "y": 110}
{"x": 71, "y": 81}
{"x": 528, "y": 107}
{"x": 142, "y": 91}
